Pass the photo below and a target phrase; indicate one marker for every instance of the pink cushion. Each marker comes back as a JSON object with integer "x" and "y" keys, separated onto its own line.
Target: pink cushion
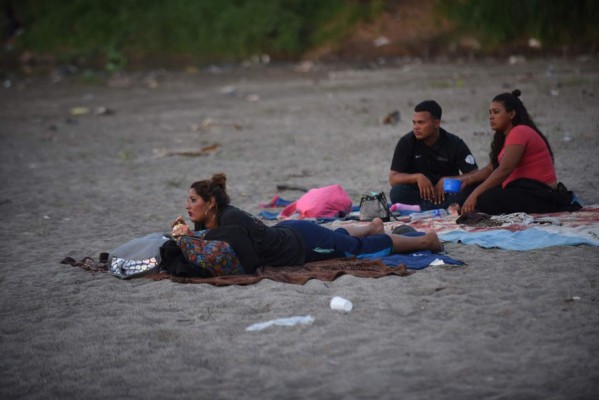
{"x": 325, "y": 202}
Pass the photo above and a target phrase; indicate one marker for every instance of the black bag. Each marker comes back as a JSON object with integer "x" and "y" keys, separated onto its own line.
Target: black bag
{"x": 175, "y": 263}
{"x": 374, "y": 205}
{"x": 566, "y": 198}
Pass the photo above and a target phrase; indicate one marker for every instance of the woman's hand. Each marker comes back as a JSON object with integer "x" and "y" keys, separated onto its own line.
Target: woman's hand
{"x": 469, "y": 205}
{"x": 178, "y": 221}
{"x": 180, "y": 228}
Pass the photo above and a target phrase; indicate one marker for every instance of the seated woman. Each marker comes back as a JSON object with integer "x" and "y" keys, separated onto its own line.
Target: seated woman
{"x": 288, "y": 243}
{"x": 520, "y": 176}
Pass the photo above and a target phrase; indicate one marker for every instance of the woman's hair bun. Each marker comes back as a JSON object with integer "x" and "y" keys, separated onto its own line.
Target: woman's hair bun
{"x": 516, "y": 93}
{"x": 219, "y": 179}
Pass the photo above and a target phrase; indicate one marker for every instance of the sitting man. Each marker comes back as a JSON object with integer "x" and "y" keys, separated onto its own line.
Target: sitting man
{"x": 424, "y": 157}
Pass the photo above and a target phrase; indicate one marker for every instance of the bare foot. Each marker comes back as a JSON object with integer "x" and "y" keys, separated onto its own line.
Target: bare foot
{"x": 435, "y": 244}
{"x": 377, "y": 226}
{"x": 454, "y": 209}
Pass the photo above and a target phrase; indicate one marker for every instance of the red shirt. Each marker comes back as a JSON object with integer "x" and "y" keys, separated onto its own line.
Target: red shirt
{"x": 536, "y": 161}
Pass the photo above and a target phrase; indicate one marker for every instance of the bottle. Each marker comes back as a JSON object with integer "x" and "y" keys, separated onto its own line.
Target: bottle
{"x": 437, "y": 213}
{"x": 404, "y": 207}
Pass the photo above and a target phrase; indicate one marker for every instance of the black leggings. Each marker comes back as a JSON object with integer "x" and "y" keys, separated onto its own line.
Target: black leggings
{"x": 526, "y": 195}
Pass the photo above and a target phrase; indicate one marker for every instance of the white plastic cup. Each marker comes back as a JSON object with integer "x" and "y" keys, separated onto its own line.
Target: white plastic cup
{"x": 341, "y": 304}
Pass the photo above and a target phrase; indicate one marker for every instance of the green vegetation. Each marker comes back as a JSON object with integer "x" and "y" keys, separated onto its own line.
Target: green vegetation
{"x": 555, "y": 23}
{"x": 115, "y": 32}
{"x": 206, "y": 30}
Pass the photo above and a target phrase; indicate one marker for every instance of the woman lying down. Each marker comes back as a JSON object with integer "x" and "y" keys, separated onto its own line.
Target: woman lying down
{"x": 227, "y": 240}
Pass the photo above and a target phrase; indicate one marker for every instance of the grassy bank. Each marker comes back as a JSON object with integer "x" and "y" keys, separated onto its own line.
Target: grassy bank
{"x": 207, "y": 30}
{"x": 114, "y": 33}
{"x": 554, "y": 24}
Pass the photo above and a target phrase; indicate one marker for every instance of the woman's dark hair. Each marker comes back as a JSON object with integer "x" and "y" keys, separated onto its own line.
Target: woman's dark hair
{"x": 214, "y": 187}
{"x": 512, "y": 102}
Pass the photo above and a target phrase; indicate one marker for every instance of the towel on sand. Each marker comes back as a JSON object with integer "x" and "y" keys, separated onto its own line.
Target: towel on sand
{"x": 520, "y": 231}
{"x": 327, "y": 271}
{"x": 529, "y": 239}
{"x": 419, "y": 259}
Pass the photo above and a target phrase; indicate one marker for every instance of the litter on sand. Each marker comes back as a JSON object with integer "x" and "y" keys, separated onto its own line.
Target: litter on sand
{"x": 291, "y": 321}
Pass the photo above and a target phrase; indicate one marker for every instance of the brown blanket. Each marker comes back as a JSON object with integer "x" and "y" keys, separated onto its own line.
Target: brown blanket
{"x": 327, "y": 271}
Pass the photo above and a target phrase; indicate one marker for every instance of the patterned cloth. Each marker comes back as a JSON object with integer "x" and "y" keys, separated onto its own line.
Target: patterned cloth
{"x": 215, "y": 256}
{"x": 551, "y": 229}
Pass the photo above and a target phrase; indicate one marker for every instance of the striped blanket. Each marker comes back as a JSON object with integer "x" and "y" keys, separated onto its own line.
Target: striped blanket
{"x": 520, "y": 231}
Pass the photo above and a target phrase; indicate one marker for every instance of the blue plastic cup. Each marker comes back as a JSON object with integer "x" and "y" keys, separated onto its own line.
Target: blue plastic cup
{"x": 451, "y": 185}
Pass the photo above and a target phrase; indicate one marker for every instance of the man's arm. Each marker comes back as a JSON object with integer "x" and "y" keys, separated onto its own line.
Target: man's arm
{"x": 465, "y": 159}
{"x": 425, "y": 186}
{"x": 396, "y": 178}
{"x": 400, "y": 163}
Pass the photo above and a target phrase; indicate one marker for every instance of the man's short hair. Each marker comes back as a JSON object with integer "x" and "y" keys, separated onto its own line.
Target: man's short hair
{"x": 431, "y": 106}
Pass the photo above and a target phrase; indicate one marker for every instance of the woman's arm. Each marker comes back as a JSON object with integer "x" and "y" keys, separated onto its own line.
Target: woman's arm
{"x": 475, "y": 176}
{"x": 511, "y": 157}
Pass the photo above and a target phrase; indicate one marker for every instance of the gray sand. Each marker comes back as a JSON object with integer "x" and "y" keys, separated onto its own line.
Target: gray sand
{"x": 507, "y": 325}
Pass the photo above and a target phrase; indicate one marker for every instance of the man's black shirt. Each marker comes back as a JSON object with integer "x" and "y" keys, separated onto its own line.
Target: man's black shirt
{"x": 446, "y": 157}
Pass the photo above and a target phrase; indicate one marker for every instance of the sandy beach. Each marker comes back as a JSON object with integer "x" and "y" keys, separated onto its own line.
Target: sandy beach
{"x": 88, "y": 165}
